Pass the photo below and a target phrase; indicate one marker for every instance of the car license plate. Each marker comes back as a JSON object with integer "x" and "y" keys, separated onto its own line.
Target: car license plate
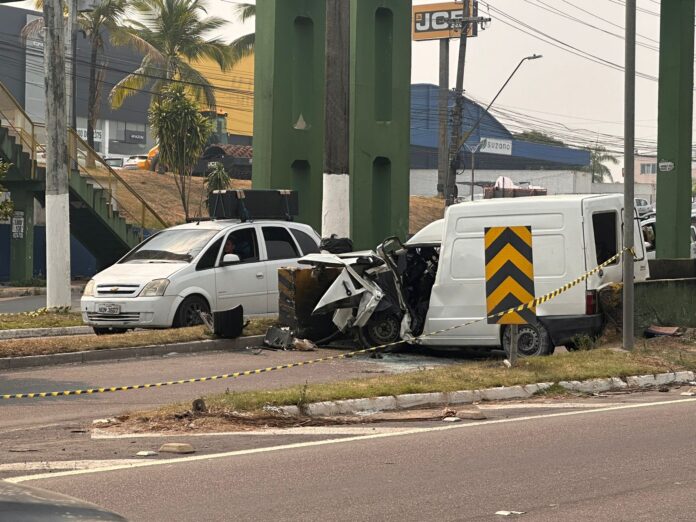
{"x": 109, "y": 309}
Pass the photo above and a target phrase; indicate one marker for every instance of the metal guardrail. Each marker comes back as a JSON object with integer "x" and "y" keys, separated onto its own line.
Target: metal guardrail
{"x": 121, "y": 198}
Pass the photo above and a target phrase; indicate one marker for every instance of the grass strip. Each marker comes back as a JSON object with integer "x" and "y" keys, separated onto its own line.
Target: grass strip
{"x": 79, "y": 343}
{"x": 573, "y": 366}
{"x": 42, "y": 320}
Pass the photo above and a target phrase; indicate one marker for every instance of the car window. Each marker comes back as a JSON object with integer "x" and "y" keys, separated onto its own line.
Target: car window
{"x": 173, "y": 245}
{"x": 242, "y": 243}
{"x": 279, "y": 243}
{"x": 306, "y": 242}
{"x": 210, "y": 256}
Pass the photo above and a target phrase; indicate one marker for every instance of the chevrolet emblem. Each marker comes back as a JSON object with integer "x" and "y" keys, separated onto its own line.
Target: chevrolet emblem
{"x": 115, "y": 289}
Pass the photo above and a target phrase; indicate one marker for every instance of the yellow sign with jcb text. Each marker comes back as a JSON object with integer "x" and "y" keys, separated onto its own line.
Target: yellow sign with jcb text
{"x": 509, "y": 274}
{"x": 443, "y": 20}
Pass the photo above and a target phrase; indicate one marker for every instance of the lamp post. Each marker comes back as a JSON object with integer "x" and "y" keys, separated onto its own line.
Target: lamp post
{"x": 449, "y": 199}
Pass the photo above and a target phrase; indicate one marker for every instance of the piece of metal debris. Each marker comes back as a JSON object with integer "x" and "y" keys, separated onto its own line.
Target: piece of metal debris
{"x": 146, "y": 454}
{"x": 509, "y": 513}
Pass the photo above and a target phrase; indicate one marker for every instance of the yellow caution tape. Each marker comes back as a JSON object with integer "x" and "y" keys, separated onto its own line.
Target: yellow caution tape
{"x": 531, "y": 304}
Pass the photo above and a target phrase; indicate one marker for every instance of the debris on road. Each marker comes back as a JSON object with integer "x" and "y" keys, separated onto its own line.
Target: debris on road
{"x": 509, "y": 513}
{"x": 451, "y": 419}
{"x": 176, "y": 447}
{"x": 146, "y": 454}
{"x": 663, "y": 331}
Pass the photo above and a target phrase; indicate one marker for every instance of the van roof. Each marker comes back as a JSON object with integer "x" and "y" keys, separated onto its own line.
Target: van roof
{"x": 531, "y": 203}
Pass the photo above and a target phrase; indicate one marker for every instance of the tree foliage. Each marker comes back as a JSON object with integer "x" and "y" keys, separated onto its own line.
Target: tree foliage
{"x": 598, "y": 157}
{"x": 539, "y": 137}
{"x": 106, "y": 15}
{"x": 171, "y": 35}
{"x": 244, "y": 45}
{"x": 217, "y": 179}
{"x": 6, "y": 206}
{"x": 182, "y": 132}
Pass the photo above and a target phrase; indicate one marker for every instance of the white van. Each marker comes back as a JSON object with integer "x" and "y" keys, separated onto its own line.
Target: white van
{"x": 440, "y": 283}
{"x": 199, "y": 267}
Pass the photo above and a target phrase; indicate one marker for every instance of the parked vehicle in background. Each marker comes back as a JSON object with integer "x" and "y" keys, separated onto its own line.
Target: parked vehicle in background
{"x": 139, "y": 162}
{"x": 436, "y": 281}
{"x": 209, "y": 266}
{"x": 649, "y": 229}
{"x": 643, "y": 206}
{"x": 114, "y": 163}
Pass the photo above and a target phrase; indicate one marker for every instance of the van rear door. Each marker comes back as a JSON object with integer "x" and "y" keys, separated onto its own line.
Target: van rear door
{"x": 603, "y": 224}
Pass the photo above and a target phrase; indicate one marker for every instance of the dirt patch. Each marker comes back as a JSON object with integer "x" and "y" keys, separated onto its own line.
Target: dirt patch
{"x": 160, "y": 192}
{"x": 424, "y": 210}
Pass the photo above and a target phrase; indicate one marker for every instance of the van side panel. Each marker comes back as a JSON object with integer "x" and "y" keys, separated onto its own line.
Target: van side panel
{"x": 459, "y": 295}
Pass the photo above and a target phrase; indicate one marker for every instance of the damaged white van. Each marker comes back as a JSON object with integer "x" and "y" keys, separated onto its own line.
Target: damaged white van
{"x": 436, "y": 280}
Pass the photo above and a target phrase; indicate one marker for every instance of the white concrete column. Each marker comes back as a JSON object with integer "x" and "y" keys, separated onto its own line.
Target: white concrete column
{"x": 335, "y": 213}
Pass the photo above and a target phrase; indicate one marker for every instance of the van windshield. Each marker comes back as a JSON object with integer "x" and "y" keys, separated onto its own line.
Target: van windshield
{"x": 179, "y": 246}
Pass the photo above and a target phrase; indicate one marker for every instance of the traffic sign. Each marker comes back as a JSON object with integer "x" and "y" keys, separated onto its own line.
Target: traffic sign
{"x": 509, "y": 274}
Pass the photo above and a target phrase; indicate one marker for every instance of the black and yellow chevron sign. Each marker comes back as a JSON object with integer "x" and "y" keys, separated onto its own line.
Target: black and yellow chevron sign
{"x": 509, "y": 274}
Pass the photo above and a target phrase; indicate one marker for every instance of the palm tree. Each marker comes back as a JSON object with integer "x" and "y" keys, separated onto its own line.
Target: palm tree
{"x": 172, "y": 34}
{"x": 598, "y": 157}
{"x": 244, "y": 45}
{"x": 105, "y": 16}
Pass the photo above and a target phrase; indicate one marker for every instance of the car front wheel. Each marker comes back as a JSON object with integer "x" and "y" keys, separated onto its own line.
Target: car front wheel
{"x": 189, "y": 313}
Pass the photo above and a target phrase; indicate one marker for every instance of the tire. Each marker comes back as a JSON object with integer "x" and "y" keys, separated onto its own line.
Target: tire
{"x": 380, "y": 329}
{"x": 102, "y": 330}
{"x": 189, "y": 311}
{"x": 533, "y": 339}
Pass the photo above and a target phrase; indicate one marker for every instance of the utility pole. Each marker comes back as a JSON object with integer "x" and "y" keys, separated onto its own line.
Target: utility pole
{"x": 453, "y": 156}
{"x": 629, "y": 138}
{"x": 335, "y": 214}
{"x": 443, "y": 111}
{"x": 57, "y": 199}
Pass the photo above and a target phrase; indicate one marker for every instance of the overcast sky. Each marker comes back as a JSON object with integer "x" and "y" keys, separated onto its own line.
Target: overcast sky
{"x": 567, "y": 95}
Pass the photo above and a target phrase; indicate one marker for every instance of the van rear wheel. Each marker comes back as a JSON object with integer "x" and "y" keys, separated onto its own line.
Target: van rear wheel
{"x": 533, "y": 339}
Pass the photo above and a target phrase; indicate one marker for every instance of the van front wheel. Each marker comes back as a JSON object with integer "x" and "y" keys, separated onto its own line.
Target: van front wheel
{"x": 533, "y": 339}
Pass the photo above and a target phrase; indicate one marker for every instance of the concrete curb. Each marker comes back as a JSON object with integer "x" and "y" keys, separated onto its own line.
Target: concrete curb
{"x": 26, "y": 333}
{"x": 400, "y": 402}
{"x": 111, "y": 354}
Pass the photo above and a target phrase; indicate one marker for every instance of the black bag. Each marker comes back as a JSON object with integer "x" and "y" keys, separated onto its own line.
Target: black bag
{"x": 336, "y": 245}
{"x": 229, "y": 323}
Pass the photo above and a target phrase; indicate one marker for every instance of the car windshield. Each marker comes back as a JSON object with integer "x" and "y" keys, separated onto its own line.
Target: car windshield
{"x": 179, "y": 246}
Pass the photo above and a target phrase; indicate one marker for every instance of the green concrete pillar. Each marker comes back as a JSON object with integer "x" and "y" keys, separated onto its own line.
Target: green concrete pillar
{"x": 22, "y": 236}
{"x": 380, "y": 79}
{"x": 675, "y": 112}
{"x": 289, "y": 101}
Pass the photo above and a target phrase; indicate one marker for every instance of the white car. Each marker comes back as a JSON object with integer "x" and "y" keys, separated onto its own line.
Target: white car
{"x": 649, "y": 229}
{"x": 643, "y": 206}
{"x": 199, "y": 267}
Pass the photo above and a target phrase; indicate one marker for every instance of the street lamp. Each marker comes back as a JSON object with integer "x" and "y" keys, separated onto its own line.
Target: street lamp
{"x": 483, "y": 113}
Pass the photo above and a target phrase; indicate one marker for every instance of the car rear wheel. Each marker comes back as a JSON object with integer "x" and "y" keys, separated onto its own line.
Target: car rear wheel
{"x": 189, "y": 313}
{"x": 532, "y": 339}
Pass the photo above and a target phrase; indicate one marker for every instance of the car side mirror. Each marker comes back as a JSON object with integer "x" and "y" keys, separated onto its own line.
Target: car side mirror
{"x": 230, "y": 259}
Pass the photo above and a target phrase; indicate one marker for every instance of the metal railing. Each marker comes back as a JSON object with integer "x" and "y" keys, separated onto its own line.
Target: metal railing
{"x": 121, "y": 198}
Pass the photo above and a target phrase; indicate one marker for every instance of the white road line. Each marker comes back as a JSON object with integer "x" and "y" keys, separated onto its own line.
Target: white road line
{"x": 98, "y": 434}
{"x": 44, "y": 465}
{"x": 415, "y": 431}
{"x": 541, "y": 406}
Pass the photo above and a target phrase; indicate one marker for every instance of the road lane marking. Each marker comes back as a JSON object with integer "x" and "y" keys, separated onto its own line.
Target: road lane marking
{"x": 345, "y": 440}
{"x": 44, "y": 465}
{"x": 99, "y": 434}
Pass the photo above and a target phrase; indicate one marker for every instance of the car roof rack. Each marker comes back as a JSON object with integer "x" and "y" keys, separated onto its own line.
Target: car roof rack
{"x": 249, "y": 205}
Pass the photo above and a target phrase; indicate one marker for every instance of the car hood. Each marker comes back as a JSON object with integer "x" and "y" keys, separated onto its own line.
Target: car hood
{"x": 140, "y": 273}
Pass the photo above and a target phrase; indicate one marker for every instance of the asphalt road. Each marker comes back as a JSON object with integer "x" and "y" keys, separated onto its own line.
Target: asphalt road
{"x": 627, "y": 463}
{"x": 12, "y": 305}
